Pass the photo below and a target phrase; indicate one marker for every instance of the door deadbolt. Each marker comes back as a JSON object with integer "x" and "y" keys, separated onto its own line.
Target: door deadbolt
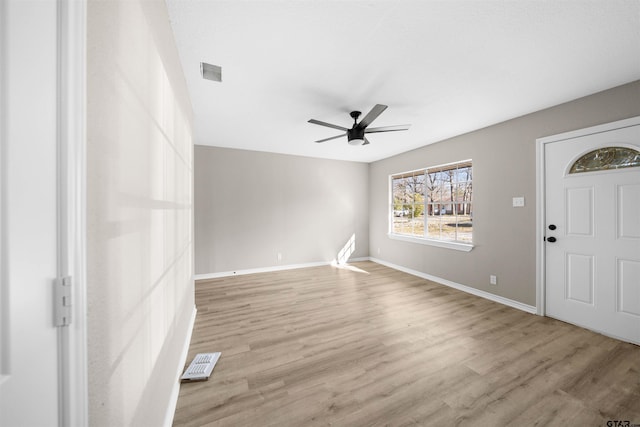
{"x": 552, "y": 227}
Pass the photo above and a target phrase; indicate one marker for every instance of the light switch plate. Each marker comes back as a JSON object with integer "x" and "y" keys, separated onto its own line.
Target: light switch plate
{"x": 518, "y": 202}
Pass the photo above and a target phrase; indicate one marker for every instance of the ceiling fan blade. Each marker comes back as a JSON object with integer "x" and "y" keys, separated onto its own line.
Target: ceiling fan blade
{"x": 329, "y": 125}
{"x": 387, "y": 128}
{"x": 333, "y": 137}
{"x": 366, "y": 141}
{"x": 372, "y": 115}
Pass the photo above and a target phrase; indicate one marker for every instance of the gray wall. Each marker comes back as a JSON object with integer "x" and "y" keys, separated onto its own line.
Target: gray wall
{"x": 504, "y": 166}
{"x": 140, "y": 291}
{"x": 250, "y": 206}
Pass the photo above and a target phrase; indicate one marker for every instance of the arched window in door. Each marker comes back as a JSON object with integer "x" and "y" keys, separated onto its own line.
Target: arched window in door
{"x": 605, "y": 159}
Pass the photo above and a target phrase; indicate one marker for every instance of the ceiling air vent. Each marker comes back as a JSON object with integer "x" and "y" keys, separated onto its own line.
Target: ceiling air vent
{"x": 211, "y": 72}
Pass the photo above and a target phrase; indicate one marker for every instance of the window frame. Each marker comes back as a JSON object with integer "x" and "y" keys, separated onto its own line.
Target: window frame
{"x": 425, "y": 240}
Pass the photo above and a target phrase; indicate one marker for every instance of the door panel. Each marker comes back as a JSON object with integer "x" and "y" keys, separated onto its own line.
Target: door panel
{"x": 628, "y": 211}
{"x": 592, "y": 273}
{"x": 580, "y": 278}
{"x": 579, "y": 210}
{"x": 628, "y": 287}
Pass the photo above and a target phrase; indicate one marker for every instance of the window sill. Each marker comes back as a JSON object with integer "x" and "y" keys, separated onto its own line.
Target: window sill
{"x": 465, "y": 247}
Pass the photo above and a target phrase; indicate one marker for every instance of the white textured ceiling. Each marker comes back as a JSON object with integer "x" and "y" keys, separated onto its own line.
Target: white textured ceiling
{"x": 446, "y": 67}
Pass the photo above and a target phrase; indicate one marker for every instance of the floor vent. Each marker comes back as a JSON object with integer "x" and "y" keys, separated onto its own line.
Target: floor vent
{"x": 201, "y": 367}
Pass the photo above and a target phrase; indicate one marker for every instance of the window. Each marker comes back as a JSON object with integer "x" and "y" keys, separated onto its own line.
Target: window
{"x": 434, "y": 204}
{"x": 607, "y": 158}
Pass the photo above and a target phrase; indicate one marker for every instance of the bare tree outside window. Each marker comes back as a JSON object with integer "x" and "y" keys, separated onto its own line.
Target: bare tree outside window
{"x": 434, "y": 203}
{"x": 408, "y": 204}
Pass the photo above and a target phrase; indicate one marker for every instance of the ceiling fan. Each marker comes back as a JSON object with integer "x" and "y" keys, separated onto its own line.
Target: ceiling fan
{"x": 356, "y": 135}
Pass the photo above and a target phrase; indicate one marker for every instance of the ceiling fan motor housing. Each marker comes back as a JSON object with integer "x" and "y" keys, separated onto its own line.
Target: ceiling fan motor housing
{"x": 355, "y": 135}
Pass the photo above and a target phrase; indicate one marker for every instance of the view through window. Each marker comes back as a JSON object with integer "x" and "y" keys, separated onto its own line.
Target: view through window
{"x": 434, "y": 203}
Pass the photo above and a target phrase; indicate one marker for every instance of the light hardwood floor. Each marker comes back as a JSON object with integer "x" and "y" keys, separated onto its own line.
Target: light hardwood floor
{"x": 375, "y": 346}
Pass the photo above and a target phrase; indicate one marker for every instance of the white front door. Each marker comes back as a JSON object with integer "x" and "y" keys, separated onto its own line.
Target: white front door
{"x": 593, "y": 234}
{"x": 29, "y": 358}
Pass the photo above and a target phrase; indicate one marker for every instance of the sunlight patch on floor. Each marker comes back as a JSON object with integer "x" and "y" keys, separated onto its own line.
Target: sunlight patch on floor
{"x": 349, "y": 267}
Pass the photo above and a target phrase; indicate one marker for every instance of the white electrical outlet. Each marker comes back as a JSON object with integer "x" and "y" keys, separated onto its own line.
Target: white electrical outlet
{"x": 279, "y": 256}
{"x": 493, "y": 280}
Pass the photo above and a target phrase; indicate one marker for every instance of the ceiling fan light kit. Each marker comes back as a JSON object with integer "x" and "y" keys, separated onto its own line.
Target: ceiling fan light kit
{"x": 356, "y": 135}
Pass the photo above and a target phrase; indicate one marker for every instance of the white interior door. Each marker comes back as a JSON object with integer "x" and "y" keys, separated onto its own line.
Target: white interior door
{"x": 29, "y": 358}
{"x": 593, "y": 266}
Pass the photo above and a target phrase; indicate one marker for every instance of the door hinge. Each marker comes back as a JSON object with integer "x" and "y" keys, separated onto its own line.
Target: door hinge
{"x": 62, "y": 301}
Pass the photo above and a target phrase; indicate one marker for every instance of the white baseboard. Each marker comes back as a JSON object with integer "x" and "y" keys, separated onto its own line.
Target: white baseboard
{"x": 173, "y": 400}
{"x": 269, "y": 269}
{"x": 477, "y": 292}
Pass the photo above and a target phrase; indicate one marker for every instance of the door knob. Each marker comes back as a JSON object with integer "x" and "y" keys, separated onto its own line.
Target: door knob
{"x": 552, "y": 227}
{"x": 551, "y": 239}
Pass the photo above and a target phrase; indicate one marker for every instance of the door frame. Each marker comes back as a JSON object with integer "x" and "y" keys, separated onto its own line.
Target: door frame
{"x": 72, "y": 236}
{"x": 541, "y": 144}
{"x": 70, "y": 87}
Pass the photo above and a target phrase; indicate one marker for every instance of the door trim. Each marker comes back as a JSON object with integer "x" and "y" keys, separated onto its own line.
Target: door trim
{"x": 541, "y": 144}
{"x": 4, "y": 329}
{"x": 72, "y": 237}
